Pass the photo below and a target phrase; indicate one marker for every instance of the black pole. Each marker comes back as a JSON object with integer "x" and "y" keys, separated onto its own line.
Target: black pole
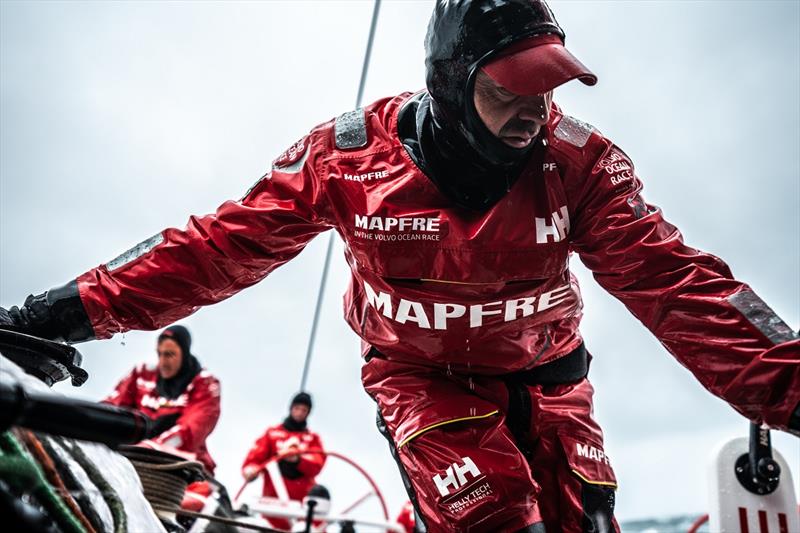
{"x": 310, "y": 514}
{"x": 756, "y": 470}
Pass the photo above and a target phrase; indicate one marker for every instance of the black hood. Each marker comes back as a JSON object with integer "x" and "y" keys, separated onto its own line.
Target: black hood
{"x": 462, "y": 36}
{"x": 441, "y": 129}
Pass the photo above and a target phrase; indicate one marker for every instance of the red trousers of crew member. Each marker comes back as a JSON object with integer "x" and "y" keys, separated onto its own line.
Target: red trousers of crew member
{"x": 494, "y": 453}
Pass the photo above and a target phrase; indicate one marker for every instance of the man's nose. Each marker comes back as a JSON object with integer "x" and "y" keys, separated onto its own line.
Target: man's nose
{"x": 535, "y": 109}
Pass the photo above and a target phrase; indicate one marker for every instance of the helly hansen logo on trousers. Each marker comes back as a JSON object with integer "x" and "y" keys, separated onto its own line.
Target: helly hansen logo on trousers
{"x": 455, "y": 476}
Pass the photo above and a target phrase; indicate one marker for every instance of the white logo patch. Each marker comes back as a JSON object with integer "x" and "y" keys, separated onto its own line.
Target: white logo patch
{"x": 617, "y": 166}
{"x": 397, "y": 228}
{"x": 557, "y": 228}
{"x": 590, "y": 452}
{"x": 444, "y": 313}
{"x": 368, "y": 176}
{"x": 456, "y": 476}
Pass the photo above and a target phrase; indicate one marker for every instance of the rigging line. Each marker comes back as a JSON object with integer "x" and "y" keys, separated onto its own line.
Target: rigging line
{"x": 326, "y": 267}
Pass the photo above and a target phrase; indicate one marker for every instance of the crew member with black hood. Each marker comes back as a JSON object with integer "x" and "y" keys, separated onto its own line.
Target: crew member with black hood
{"x": 298, "y": 470}
{"x": 180, "y": 396}
{"x": 459, "y": 207}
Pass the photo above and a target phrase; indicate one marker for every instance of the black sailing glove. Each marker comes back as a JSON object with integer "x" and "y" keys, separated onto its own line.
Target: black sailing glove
{"x": 6, "y": 322}
{"x": 161, "y": 424}
{"x": 57, "y": 314}
{"x": 289, "y": 469}
{"x": 33, "y": 317}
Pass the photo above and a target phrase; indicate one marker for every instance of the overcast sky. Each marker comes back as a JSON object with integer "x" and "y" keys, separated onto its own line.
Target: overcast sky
{"x": 120, "y": 119}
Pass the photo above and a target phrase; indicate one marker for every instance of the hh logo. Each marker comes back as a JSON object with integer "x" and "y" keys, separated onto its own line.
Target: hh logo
{"x": 557, "y": 228}
{"x": 456, "y": 476}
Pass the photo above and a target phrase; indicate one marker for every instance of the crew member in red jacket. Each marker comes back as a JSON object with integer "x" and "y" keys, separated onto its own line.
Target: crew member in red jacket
{"x": 298, "y": 470}
{"x": 460, "y": 207}
{"x": 406, "y": 518}
{"x": 181, "y": 397}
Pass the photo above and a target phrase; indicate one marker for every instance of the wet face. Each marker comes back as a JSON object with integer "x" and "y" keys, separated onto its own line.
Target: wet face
{"x": 170, "y": 358}
{"x": 299, "y": 412}
{"x": 514, "y": 119}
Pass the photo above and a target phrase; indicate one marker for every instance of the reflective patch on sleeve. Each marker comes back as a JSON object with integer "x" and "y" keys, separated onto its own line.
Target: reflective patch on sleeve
{"x": 574, "y": 131}
{"x": 762, "y": 317}
{"x": 135, "y": 252}
{"x": 351, "y": 130}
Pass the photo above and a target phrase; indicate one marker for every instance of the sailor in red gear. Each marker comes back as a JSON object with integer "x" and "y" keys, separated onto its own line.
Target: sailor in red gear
{"x": 460, "y": 207}
{"x": 298, "y": 471}
{"x": 181, "y": 397}
{"x": 178, "y": 394}
{"x": 406, "y": 517}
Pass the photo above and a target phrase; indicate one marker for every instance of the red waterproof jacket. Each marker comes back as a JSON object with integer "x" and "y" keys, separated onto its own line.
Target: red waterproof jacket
{"x": 278, "y": 439}
{"x": 198, "y": 407}
{"x": 488, "y": 292}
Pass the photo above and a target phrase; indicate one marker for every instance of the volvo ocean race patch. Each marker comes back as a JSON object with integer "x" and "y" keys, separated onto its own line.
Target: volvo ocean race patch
{"x": 291, "y": 161}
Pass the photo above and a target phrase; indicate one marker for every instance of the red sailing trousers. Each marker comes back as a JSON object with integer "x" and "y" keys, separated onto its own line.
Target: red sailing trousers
{"x": 494, "y": 453}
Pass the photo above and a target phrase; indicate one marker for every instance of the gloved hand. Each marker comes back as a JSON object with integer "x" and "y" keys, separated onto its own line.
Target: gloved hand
{"x": 250, "y": 472}
{"x": 289, "y": 469}
{"x": 57, "y": 314}
{"x": 6, "y": 322}
{"x": 33, "y": 318}
{"x": 161, "y": 424}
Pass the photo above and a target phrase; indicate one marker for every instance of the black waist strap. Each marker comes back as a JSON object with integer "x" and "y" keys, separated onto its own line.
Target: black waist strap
{"x": 566, "y": 369}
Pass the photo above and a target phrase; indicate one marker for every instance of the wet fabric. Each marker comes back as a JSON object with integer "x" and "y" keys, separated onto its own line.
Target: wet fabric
{"x": 488, "y": 454}
{"x": 485, "y": 293}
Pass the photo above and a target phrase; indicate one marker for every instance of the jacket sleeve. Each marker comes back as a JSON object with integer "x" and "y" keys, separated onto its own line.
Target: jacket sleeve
{"x": 260, "y": 452}
{"x": 172, "y": 274}
{"x": 311, "y": 464}
{"x": 714, "y": 325}
{"x": 198, "y": 418}
{"x": 124, "y": 394}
